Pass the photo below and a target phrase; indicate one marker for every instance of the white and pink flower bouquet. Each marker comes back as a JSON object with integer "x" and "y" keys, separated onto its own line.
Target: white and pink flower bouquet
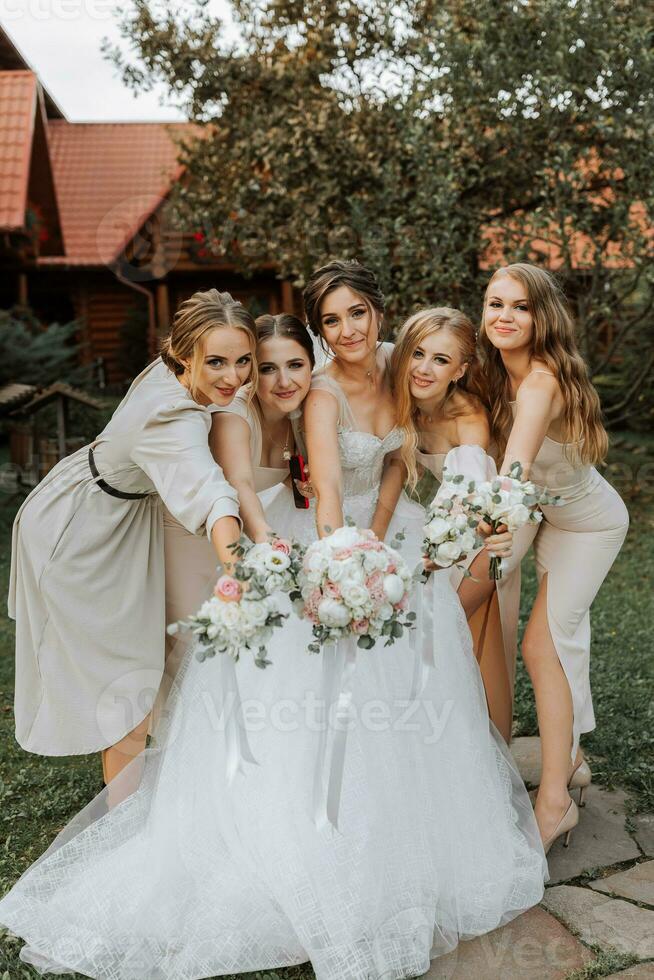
{"x": 353, "y": 585}
{"x": 450, "y": 531}
{"x": 245, "y": 609}
{"x": 504, "y": 500}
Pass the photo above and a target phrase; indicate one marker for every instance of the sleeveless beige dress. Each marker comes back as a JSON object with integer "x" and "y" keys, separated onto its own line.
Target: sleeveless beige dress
{"x": 508, "y": 587}
{"x": 191, "y": 563}
{"x": 575, "y": 544}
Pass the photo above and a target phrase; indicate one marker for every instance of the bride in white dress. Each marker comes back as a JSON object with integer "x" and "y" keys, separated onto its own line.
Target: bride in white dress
{"x": 192, "y": 876}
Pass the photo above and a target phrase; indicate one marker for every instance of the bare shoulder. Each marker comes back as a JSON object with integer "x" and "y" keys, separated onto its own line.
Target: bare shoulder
{"x": 321, "y": 401}
{"x": 472, "y": 422}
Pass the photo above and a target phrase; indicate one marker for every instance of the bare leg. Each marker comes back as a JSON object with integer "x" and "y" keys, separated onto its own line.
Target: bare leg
{"x": 116, "y": 757}
{"x": 554, "y": 710}
{"x": 475, "y": 593}
{"x": 489, "y": 650}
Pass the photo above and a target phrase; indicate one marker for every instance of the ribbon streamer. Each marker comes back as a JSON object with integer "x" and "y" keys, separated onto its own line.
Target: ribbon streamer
{"x": 338, "y": 665}
{"x": 236, "y": 739}
{"x": 423, "y": 636}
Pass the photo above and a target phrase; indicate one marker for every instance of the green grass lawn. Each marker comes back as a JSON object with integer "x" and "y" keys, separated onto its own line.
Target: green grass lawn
{"x": 39, "y": 795}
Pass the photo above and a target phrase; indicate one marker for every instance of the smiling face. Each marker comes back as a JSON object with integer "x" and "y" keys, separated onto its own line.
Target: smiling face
{"x": 508, "y": 321}
{"x": 224, "y": 364}
{"x": 348, "y": 325}
{"x": 435, "y": 363}
{"x": 284, "y": 374}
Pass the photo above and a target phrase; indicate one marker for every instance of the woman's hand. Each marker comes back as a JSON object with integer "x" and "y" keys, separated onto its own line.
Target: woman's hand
{"x": 499, "y": 543}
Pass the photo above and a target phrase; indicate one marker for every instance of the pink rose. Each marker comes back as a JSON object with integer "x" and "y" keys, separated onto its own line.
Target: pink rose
{"x": 375, "y": 586}
{"x": 360, "y": 626}
{"x": 506, "y": 483}
{"x": 368, "y": 546}
{"x": 332, "y": 590}
{"x": 281, "y": 544}
{"x": 392, "y": 568}
{"x": 343, "y": 553}
{"x": 228, "y": 589}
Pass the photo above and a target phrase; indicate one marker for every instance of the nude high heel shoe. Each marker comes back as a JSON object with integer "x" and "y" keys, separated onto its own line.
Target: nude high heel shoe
{"x": 580, "y": 779}
{"x": 566, "y": 825}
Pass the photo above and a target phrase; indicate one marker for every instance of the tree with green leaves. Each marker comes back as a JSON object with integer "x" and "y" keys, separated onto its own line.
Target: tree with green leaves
{"x": 431, "y": 139}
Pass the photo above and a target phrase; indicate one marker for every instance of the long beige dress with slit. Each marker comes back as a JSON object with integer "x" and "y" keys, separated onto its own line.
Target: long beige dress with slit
{"x": 504, "y": 612}
{"x": 191, "y": 564}
{"x": 87, "y": 586}
{"x": 575, "y": 545}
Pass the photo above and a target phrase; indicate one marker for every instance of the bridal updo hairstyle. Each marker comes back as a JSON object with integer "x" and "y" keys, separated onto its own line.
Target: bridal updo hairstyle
{"x": 327, "y": 278}
{"x": 196, "y": 316}
{"x": 288, "y": 326}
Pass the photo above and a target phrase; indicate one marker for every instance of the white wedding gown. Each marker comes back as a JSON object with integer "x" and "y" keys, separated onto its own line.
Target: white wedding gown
{"x": 189, "y": 877}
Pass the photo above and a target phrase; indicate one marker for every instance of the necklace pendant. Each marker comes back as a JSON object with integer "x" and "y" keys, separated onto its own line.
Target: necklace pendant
{"x": 286, "y": 455}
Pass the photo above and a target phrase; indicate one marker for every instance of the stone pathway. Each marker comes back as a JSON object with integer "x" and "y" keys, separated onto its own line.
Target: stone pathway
{"x": 598, "y": 906}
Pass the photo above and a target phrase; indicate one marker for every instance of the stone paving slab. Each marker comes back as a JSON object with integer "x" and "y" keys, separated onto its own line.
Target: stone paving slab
{"x": 599, "y": 840}
{"x": 642, "y": 971}
{"x": 608, "y": 922}
{"x": 532, "y": 947}
{"x": 644, "y": 833}
{"x": 526, "y": 754}
{"x": 636, "y": 883}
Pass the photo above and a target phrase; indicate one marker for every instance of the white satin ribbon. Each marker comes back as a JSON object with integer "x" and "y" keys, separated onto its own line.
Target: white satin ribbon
{"x": 338, "y": 665}
{"x": 236, "y": 739}
{"x": 422, "y": 637}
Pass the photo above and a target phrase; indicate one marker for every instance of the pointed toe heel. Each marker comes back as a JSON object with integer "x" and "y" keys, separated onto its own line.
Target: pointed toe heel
{"x": 580, "y": 779}
{"x": 566, "y": 825}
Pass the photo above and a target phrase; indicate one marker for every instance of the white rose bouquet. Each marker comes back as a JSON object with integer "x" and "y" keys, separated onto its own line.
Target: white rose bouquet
{"x": 504, "y": 500}
{"x": 450, "y": 532}
{"x": 244, "y": 608}
{"x": 353, "y": 585}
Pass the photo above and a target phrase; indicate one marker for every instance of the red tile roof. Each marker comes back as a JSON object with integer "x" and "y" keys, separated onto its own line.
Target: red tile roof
{"x": 109, "y": 178}
{"x": 18, "y": 94}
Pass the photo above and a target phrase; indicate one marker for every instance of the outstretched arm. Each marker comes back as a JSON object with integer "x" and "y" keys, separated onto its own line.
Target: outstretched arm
{"x": 230, "y": 444}
{"x": 321, "y": 432}
{"x": 389, "y": 493}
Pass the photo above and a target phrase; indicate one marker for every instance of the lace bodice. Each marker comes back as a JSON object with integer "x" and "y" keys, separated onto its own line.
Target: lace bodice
{"x": 361, "y": 453}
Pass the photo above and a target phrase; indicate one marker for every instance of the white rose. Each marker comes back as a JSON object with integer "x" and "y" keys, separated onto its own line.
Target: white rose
{"x": 331, "y": 612}
{"x": 385, "y": 611}
{"x": 517, "y": 517}
{"x": 231, "y": 614}
{"x": 256, "y": 612}
{"x": 212, "y": 632}
{"x": 460, "y": 522}
{"x": 467, "y": 541}
{"x": 343, "y": 537}
{"x": 374, "y": 560}
{"x": 447, "y": 552}
{"x": 437, "y": 530}
{"x": 355, "y": 595}
{"x": 394, "y": 588}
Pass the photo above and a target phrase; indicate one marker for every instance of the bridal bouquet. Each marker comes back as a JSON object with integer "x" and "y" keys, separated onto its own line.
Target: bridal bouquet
{"x": 450, "y": 532}
{"x": 504, "y": 500}
{"x": 353, "y": 585}
{"x": 244, "y": 608}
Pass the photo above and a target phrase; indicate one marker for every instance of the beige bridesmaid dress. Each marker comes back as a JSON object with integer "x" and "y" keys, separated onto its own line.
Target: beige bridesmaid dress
{"x": 575, "y": 544}
{"x": 87, "y": 586}
{"x": 190, "y": 562}
{"x": 508, "y": 587}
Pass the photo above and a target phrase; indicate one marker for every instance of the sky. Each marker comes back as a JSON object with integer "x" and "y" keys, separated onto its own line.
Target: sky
{"x": 61, "y": 41}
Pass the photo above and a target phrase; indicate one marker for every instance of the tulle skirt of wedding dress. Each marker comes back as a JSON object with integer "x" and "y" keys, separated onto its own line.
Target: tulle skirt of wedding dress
{"x": 192, "y": 877}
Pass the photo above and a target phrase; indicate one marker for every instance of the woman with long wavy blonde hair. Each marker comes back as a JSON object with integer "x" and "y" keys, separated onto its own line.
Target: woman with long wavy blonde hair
{"x": 441, "y": 402}
{"x": 546, "y": 414}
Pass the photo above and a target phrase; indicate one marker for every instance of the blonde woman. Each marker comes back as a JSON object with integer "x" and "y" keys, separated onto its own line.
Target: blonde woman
{"x": 252, "y": 438}
{"x": 547, "y": 416}
{"x": 441, "y": 399}
{"x": 87, "y": 574}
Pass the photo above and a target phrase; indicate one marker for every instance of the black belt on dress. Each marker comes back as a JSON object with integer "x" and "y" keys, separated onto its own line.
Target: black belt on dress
{"x": 105, "y": 486}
